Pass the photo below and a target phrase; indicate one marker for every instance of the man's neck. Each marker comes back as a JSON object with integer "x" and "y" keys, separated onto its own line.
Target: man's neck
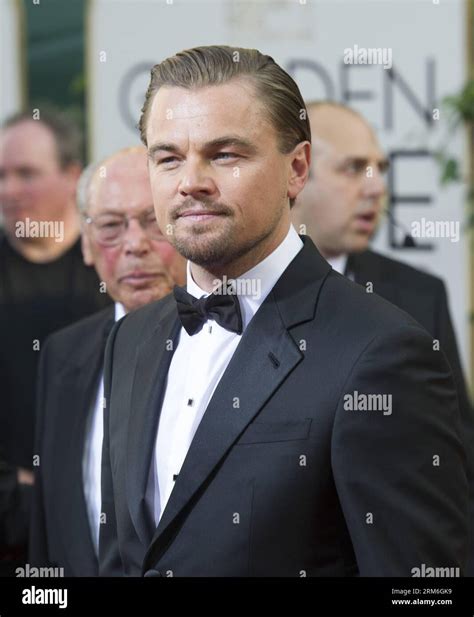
{"x": 40, "y": 250}
{"x": 205, "y": 277}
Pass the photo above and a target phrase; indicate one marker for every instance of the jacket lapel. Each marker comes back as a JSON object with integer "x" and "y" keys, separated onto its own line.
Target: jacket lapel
{"x": 152, "y": 362}
{"x": 264, "y": 357}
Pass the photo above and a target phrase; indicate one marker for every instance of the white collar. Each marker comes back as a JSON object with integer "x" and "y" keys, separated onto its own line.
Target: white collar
{"x": 254, "y": 285}
{"x": 119, "y": 311}
{"x": 338, "y": 263}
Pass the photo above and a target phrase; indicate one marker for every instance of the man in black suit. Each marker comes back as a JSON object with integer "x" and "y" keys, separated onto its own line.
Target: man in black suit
{"x": 136, "y": 264}
{"x": 339, "y": 208}
{"x": 271, "y": 419}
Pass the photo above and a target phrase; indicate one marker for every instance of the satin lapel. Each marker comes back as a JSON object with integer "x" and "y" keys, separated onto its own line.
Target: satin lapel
{"x": 152, "y": 361}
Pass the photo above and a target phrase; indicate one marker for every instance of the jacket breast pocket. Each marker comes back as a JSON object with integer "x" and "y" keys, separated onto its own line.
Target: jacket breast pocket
{"x": 268, "y": 432}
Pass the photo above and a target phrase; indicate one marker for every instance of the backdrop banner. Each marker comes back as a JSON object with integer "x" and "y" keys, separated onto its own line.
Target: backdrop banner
{"x": 394, "y": 61}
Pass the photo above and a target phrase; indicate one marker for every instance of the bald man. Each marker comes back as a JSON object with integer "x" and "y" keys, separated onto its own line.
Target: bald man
{"x": 137, "y": 265}
{"x": 340, "y": 207}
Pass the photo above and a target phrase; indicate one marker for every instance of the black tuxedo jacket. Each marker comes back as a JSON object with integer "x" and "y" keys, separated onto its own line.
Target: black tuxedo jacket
{"x": 423, "y": 296}
{"x": 70, "y": 369}
{"x": 292, "y": 482}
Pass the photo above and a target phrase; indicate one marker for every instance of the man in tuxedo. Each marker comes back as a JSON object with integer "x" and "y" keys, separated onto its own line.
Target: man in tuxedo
{"x": 136, "y": 264}
{"x": 340, "y": 207}
{"x": 271, "y": 419}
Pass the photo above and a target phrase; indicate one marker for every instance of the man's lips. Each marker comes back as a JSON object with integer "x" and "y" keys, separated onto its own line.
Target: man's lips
{"x": 138, "y": 277}
{"x": 366, "y": 221}
{"x": 199, "y": 215}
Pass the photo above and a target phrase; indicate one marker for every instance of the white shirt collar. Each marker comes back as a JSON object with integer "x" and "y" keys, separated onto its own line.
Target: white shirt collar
{"x": 338, "y": 263}
{"x": 254, "y": 285}
{"x": 119, "y": 311}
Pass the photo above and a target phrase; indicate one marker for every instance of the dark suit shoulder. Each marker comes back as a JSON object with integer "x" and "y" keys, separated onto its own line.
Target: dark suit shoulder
{"x": 400, "y": 271}
{"x": 73, "y": 336}
{"x": 351, "y": 308}
{"x": 143, "y": 320}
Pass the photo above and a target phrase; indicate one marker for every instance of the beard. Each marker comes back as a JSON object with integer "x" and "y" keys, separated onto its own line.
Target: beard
{"x": 209, "y": 247}
{"x": 217, "y": 244}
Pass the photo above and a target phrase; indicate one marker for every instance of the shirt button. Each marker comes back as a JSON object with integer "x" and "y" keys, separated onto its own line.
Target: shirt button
{"x": 153, "y": 573}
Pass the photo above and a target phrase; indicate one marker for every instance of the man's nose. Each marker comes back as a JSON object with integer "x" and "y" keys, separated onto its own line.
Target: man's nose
{"x": 135, "y": 239}
{"x": 196, "y": 180}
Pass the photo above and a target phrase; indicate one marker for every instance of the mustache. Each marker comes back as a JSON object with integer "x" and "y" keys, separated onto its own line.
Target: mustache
{"x": 211, "y": 206}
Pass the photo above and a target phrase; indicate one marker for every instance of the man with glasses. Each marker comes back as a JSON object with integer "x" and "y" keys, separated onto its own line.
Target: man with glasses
{"x": 136, "y": 265}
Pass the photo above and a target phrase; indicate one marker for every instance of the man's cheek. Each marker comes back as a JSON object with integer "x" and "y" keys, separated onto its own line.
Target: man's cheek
{"x": 165, "y": 252}
{"x": 107, "y": 260}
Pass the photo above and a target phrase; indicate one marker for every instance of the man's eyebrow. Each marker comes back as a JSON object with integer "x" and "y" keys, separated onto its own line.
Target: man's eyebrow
{"x": 230, "y": 140}
{"x": 382, "y": 162}
{"x": 214, "y": 144}
{"x": 359, "y": 160}
{"x": 165, "y": 147}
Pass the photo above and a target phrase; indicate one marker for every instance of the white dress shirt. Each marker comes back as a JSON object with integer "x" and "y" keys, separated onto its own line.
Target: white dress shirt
{"x": 198, "y": 364}
{"x": 92, "y": 456}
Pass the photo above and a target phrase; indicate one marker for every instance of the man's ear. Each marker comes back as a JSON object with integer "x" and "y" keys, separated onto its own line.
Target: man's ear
{"x": 300, "y": 162}
{"x": 86, "y": 249}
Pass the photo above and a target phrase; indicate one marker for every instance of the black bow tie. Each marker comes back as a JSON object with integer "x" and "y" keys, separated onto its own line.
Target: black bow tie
{"x": 193, "y": 312}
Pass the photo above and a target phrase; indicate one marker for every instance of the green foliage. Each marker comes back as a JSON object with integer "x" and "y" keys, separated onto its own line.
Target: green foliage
{"x": 462, "y": 104}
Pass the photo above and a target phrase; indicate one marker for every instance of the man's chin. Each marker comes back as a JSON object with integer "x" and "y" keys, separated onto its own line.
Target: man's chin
{"x": 204, "y": 251}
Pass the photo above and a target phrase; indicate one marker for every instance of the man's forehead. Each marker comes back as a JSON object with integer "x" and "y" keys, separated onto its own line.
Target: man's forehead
{"x": 27, "y": 138}
{"x": 176, "y": 109}
{"x": 343, "y": 133}
{"x": 121, "y": 176}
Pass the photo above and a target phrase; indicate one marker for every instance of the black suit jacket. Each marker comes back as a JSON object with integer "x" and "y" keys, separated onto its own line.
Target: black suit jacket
{"x": 70, "y": 369}
{"x": 291, "y": 482}
{"x": 421, "y": 295}
{"x": 424, "y": 297}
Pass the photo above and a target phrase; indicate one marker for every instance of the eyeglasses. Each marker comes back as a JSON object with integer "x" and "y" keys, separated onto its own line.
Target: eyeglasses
{"x": 109, "y": 229}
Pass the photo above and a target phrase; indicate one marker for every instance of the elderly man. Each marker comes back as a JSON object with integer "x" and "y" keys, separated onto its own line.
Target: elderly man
{"x": 135, "y": 261}
{"x": 339, "y": 208}
{"x": 274, "y": 433}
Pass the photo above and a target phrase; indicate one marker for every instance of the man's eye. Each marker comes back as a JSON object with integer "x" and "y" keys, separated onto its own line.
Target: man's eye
{"x": 150, "y": 218}
{"x": 168, "y": 159}
{"x": 26, "y": 174}
{"x": 355, "y": 167}
{"x": 110, "y": 224}
{"x": 226, "y": 155}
